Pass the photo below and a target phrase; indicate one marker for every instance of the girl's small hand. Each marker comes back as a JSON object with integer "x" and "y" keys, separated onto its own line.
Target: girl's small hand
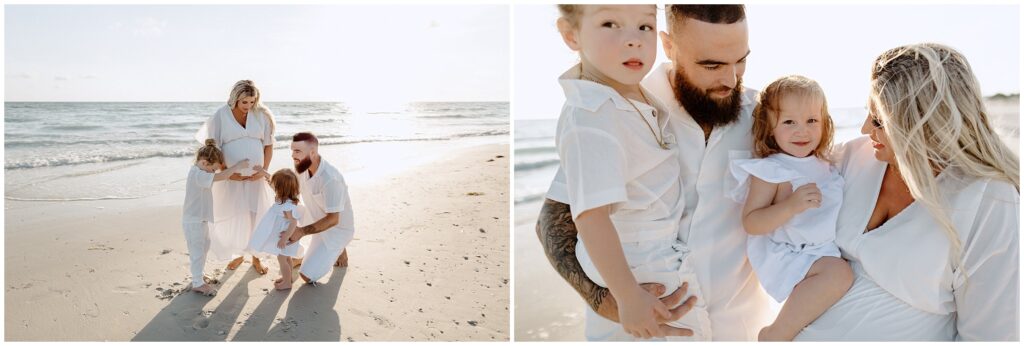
{"x": 639, "y": 311}
{"x": 260, "y": 174}
{"x": 283, "y": 241}
{"x": 805, "y": 197}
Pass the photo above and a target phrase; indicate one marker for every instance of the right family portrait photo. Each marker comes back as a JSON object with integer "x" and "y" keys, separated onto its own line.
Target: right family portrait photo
{"x": 698, "y": 172}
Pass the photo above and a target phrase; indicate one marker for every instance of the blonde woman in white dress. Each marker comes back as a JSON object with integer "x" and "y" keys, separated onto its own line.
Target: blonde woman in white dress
{"x": 244, "y": 130}
{"x": 930, "y": 215}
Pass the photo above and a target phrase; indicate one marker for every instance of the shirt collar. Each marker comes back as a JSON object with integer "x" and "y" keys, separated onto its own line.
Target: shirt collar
{"x": 591, "y": 95}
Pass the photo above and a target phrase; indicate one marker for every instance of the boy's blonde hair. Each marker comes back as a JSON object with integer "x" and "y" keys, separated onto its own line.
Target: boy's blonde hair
{"x": 210, "y": 152}
{"x": 766, "y": 114}
{"x": 286, "y": 186}
{"x": 571, "y": 14}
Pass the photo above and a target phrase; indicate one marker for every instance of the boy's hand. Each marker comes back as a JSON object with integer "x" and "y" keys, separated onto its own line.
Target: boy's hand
{"x": 639, "y": 313}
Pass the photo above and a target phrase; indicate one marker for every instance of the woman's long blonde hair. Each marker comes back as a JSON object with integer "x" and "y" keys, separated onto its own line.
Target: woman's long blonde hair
{"x": 246, "y": 88}
{"x": 933, "y": 113}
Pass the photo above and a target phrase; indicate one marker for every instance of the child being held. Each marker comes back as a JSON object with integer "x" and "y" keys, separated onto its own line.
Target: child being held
{"x": 622, "y": 173}
{"x": 793, "y": 202}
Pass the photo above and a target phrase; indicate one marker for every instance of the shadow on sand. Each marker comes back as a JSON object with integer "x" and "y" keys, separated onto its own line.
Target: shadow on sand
{"x": 310, "y": 314}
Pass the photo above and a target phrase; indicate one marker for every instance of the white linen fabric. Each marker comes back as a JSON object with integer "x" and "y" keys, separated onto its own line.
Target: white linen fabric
{"x": 906, "y": 285}
{"x": 783, "y": 257}
{"x": 239, "y": 203}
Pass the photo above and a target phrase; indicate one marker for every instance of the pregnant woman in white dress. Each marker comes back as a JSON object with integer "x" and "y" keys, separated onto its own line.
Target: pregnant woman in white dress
{"x": 243, "y": 129}
{"x": 930, "y": 220}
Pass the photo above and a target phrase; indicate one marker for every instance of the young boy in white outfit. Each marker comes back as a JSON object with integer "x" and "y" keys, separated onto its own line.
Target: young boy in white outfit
{"x": 622, "y": 171}
{"x": 197, "y": 211}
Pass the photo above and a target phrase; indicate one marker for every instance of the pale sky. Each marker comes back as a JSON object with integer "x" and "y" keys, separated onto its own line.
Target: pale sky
{"x": 833, "y": 44}
{"x": 348, "y": 53}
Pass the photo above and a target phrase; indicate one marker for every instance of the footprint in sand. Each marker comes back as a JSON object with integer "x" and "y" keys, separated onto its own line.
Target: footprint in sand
{"x": 201, "y": 323}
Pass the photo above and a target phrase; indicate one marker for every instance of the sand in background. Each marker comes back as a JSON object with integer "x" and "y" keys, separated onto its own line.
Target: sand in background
{"x": 429, "y": 262}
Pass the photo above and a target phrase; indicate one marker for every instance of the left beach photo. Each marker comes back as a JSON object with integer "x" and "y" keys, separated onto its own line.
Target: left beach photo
{"x": 256, "y": 173}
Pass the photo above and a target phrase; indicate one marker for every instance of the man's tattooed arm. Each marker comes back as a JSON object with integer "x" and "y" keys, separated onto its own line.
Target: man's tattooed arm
{"x": 557, "y": 234}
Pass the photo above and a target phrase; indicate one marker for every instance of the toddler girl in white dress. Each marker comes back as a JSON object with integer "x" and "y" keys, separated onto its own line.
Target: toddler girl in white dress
{"x": 278, "y": 223}
{"x": 793, "y": 202}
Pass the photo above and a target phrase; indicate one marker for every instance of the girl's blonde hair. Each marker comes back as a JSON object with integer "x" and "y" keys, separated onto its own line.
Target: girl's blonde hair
{"x": 210, "y": 152}
{"x": 246, "y": 88}
{"x": 766, "y": 114}
{"x": 933, "y": 113}
{"x": 286, "y": 186}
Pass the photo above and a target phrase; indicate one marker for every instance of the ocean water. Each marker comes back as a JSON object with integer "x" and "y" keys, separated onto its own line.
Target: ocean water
{"x": 60, "y": 134}
{"x": 536, "y": 160}
{"x": 87, "y": 151}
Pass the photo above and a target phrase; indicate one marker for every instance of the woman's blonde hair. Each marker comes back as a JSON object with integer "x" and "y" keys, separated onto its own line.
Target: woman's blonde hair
{"x": 286, "y": 186}
{"x": 246, "y": 88}
{"x": 210, "y": 152}
{"x": 933, "y": 113}
{"x": 766, "y": 114}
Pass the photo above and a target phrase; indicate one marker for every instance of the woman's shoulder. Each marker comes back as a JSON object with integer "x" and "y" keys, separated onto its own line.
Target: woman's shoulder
{"x": 998, "y": 191}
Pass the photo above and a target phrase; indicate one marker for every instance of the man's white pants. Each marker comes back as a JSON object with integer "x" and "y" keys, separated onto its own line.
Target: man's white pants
{"x": 320, "y": 256}
{"x": 197, "y": 238}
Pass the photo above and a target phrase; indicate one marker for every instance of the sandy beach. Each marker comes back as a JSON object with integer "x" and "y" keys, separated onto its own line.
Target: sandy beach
{"x": 429, "y": 260}
{"x": 548, "y": 309}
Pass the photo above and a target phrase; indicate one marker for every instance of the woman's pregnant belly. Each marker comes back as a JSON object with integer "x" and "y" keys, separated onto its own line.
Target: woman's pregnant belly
{"x": 868, "y": 312}
{"x": 241, "y": 149}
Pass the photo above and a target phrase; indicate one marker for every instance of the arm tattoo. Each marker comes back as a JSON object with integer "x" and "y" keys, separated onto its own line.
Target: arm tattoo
{"x": 557, "y": 234}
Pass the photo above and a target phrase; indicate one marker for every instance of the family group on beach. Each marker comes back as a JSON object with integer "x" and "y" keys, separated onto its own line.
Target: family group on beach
{"x": 683, "y": 183}
{"x": 234, "y": 206}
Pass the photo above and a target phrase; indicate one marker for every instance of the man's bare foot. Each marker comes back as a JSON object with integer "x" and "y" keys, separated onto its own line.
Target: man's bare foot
{"x": 296, "y": 262}
{"x": 342, "y": 260}
{"x": 235, "y": 263}
{"x": 258, "y": 266}
{"x": 307, "y": 280}
{"x": 205, "y": 290}
{"x": 281, "y": 285}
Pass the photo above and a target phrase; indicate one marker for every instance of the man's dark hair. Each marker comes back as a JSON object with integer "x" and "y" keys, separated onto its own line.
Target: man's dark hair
{"x": 675, "y": 15}
{"x": 305, "y": 137}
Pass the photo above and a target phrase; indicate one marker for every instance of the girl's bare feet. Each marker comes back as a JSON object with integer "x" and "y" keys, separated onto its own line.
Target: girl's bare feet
{"x": 205, "y": 290}
{"x": 235, "y": 263}
{"x": 281, "y": 284}
{"x": 258, "y": 266}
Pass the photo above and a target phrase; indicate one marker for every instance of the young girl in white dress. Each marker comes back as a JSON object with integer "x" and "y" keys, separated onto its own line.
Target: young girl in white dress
{"x": 278, "y": 223}
{"x": 197, "y": 211}
{"x": 623, "y": 173}
{"x": 793, "y": 202}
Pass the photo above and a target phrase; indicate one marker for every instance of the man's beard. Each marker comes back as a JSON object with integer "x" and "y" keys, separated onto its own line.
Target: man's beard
{"x": 705, "y": 110}
{"x": 303, "y": 165}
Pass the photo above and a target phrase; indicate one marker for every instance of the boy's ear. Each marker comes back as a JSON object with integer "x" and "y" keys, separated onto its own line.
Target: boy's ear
{"x": 569, "y": 34}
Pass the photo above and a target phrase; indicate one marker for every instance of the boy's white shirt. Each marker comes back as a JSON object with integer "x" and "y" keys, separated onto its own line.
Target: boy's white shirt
{"x": 738, "y": 306}
{"x": 198, "y": 205}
